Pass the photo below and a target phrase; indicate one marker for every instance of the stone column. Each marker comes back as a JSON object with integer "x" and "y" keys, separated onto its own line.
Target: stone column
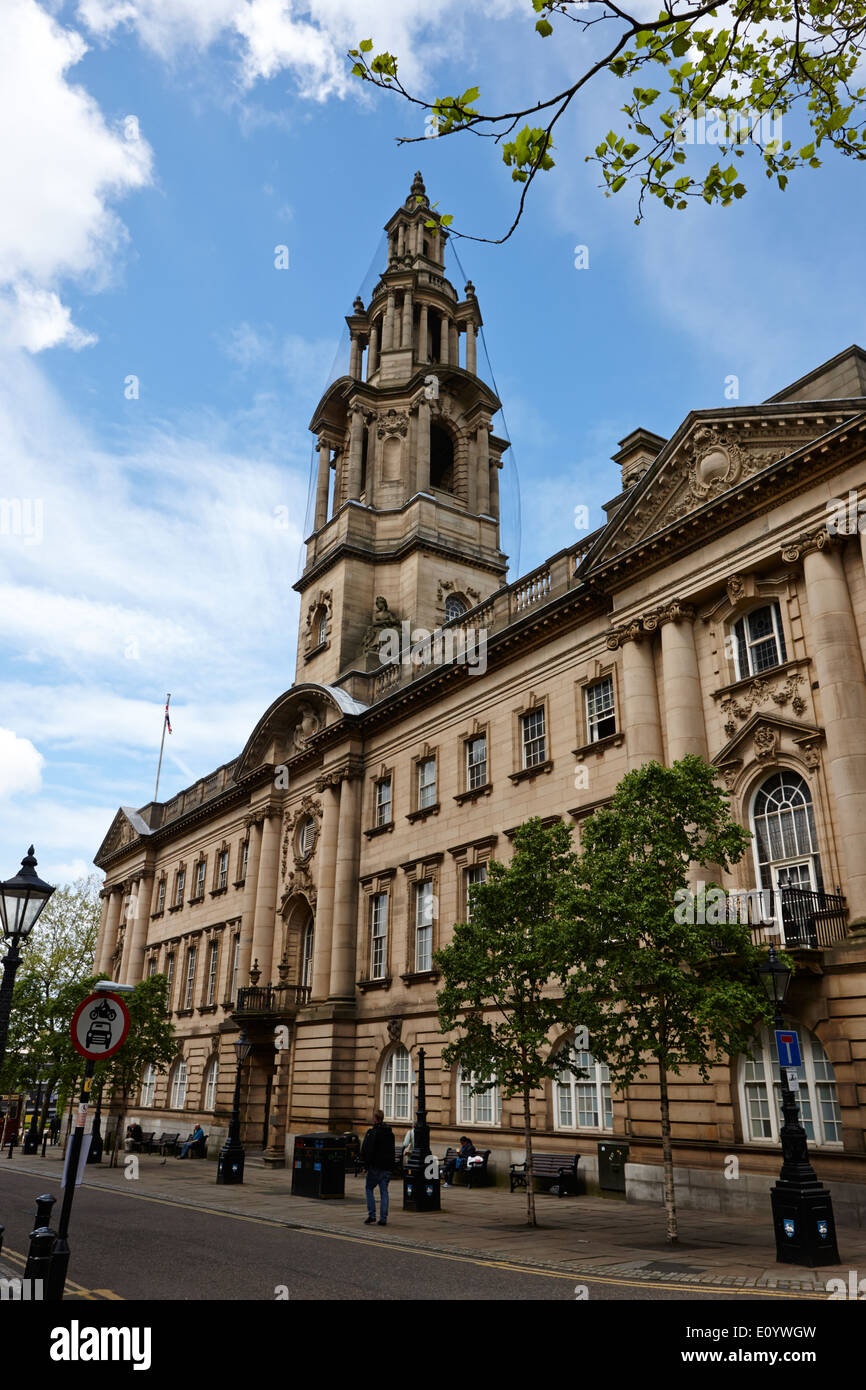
{"x": 839, "y": 666}
{"x": 494, "y": 491}
{"x": 640, "y": 721}
{"x": 274, "y": 1155}
{"x": 100, "y": 935}
{"x": 482, "y": 469}
{"x": 136, "y": 931}
{"x": 471, "y": 354}
{"x": 323, "y": 483}
{"x": 684, "y": 707}
{"x": 389, "y": 324}
{"x": 444, "y": 340}
{"x": 373, "y": 352}
{"x": 422, "y": 457}
{"x": 266, "y": 896}
{"x": 248, "y": 906}
{"x": 327, "y": 859}
{"x": 355, "y": 357}
{"x": 454, "y": 350}
{"x": 109, "y": 941}
{"x": 422, "y": 334}
{"x": 345, "y": 919}
{"x": 356, "y": 452}
{"x": 406, "y": 338}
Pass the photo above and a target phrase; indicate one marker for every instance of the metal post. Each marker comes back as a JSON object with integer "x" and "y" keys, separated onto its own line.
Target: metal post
{"x": 420, "y": 1188}
{"x": 94, "y": 1153}
{"x": 42, "y": 1240}
{"x": 230, "y": 1164}
{"x": 60, "y": 1256}
{"x": 31, "y": 1138}
{"x": 802, "y": 1206}
{"x": 10, "y": 965}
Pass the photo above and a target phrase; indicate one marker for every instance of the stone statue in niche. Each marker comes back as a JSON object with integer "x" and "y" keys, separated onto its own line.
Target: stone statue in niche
{"x": 383, "y": 618}
{"x": 308, "y": 723}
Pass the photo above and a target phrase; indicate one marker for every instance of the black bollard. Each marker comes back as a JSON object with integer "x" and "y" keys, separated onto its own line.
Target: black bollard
{"x": 44, "y": 1141}
{"x": 43, "y": 1209}
{"x": 39, "y": 1258}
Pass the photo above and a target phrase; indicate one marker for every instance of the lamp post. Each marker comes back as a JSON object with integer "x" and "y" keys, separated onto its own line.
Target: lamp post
{"x": 22, "y": 898}
{"x": 230, "y": 1164}
{"x": 802, "y": 1206}
{"x": 420, "y": 1186}
{"x": 31, "y": 1138}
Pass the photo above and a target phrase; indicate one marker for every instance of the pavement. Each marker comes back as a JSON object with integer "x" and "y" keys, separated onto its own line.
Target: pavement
{"x": 585, "y": 1237}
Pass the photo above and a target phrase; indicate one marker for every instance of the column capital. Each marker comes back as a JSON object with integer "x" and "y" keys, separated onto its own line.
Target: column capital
{"x": 795, "y": 549}
{"x": 261, "y": 813}
{"x": 350, "y": 769}
{"x": 645, "y": 625}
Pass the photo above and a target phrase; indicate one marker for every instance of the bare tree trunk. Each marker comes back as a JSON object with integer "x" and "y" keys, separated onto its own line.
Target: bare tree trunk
{"x": 527, "y": 1132}
{"x": 667, "y": 1156}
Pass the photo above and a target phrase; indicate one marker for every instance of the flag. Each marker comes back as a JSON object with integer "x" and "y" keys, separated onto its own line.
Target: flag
{"x": 167, "y": 720}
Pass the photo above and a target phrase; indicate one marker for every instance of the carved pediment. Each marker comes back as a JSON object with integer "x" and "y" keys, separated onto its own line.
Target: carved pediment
{"x": 127, "y": 828}
{"x": 761, "y": 739}
{"x": 706, "y": 459}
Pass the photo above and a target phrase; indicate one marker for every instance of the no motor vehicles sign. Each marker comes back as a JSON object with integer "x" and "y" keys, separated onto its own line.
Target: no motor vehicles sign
{"x": 99, "y": 1026}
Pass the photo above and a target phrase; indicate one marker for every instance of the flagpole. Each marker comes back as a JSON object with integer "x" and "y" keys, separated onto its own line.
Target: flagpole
{"x": 161, "y": 746}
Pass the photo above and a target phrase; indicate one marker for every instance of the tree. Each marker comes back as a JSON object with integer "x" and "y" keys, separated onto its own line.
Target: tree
{"x": 749, "y": 67}
{"x": 53, "y": 978}
{"x": 502, "y": 971}
{"x": 150, "y": 1040}
{"x": 662, "y": 979}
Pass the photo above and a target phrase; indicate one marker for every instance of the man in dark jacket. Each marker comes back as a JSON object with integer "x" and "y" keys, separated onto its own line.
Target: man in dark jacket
{"x": 377, "y": 1152}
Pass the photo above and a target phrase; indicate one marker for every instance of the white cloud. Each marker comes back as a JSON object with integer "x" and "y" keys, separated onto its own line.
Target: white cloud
{"x": 21, "y": 764}
{"x": 62, "y": 165}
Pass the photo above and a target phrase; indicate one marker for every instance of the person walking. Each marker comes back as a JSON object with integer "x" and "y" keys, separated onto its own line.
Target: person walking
{"x": 377, "y": 1153}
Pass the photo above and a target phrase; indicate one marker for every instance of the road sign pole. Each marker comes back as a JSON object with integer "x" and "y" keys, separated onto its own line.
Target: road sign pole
{"x": 60, "y": 1254}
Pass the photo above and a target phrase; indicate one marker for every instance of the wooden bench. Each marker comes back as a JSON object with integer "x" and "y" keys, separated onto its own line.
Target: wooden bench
{"x": 142, "y": 1145}
{"x": 475, "y": 1173}
{"x": 557, "y": 1169}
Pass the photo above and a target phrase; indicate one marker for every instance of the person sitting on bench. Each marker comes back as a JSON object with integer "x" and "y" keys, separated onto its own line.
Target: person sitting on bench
{"x": 133, "y": 1138}
{"x": 467, "y": 1150}
{"x": 194, "y": 1138}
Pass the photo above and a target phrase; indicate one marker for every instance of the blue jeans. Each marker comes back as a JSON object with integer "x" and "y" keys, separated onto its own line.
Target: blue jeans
{"x": 377, "y": 1177}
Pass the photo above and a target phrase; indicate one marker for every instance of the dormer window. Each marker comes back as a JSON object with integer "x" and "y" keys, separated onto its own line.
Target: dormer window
{"x": 759, "y": 642}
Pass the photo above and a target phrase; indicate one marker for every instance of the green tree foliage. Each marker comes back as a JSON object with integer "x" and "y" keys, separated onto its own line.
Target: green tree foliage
{"x": 649, "y": 983}
{"x": 150, "y": 1040}
{"x": 752, "y": 65}
{"x": 503, "y": 969}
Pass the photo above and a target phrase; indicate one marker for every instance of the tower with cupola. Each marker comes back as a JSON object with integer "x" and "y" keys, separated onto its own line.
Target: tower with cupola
{"x": 407, "y": 487}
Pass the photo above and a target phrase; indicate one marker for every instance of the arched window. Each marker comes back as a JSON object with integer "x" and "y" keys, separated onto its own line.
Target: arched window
{"x": 148, "y": 1086}
{"x": 307, "y": 955}
{"x": 398, "y": 1084}
{"x": 582, "y": 1101}
{"x": 786, "y": 847}
{"x": 483, "y": 1108}
{"x": 455, "y": 607}
{"x": 441, "y": 459}
{"x": 211, "y": 1078}
{"x": 178, "y": 1085}
{"x": 760, "y": 1092}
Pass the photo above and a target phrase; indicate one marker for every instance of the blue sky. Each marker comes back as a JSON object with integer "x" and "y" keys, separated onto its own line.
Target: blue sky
{"x": 144, "y": 248}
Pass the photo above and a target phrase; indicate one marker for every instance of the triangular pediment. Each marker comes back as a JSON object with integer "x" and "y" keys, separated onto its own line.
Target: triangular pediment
{"x": 709, "y": 458}
{"x": 127, "y": 828}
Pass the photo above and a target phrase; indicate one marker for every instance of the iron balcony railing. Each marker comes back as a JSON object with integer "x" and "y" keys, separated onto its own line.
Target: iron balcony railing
{"x": 271, "y": 999}
{"x": 796, "y": 917}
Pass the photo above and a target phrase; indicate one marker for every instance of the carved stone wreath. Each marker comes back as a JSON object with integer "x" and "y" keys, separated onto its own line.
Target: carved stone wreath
{"x": 393, "y": 424}
{"x": 757, "y": 692}
{"x": 308, "y": 807}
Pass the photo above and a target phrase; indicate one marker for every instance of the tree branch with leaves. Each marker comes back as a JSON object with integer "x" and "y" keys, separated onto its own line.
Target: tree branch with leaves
{"x": 751, "y": 63}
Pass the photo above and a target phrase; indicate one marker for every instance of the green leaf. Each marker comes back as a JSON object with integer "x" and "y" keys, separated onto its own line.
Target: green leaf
{"x": 618, "y": 183}
{"x": 366, "y": 45}
{"x": 544, "y": 28}
{"x": 807, "y": 151}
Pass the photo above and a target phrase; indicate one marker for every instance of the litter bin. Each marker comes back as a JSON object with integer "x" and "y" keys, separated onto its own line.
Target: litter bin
{"x": 319, "y": 1165}
{"x": 612, "y": 1159}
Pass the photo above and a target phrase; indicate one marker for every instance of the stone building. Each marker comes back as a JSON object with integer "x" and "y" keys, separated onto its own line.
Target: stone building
{"x": 300, "y": 890}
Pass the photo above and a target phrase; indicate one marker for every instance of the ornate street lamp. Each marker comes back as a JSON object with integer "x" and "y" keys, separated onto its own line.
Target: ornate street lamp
{"x": 802, "y": 1206}
{"x": 22, "y": 898}
{"x": 230, "y": 1164}
{"x": 421, "y": 1183}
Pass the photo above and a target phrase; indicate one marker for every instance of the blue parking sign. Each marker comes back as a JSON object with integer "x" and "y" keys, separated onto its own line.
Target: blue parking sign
{"x": 788, "y": 1048}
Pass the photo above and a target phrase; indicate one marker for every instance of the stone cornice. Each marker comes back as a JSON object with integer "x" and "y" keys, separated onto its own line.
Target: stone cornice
{"x": 673, "y": 612}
